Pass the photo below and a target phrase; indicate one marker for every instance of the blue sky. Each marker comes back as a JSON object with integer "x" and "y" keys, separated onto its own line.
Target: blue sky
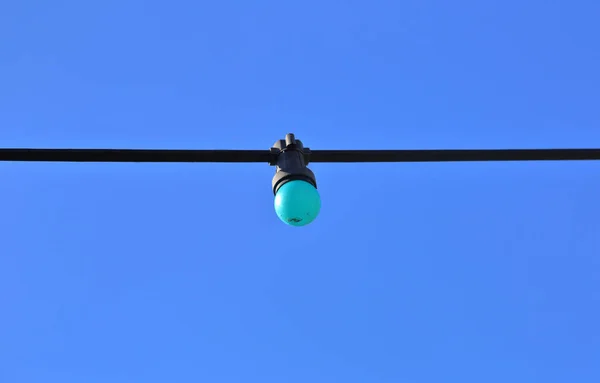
{"x": 413, "y": 273}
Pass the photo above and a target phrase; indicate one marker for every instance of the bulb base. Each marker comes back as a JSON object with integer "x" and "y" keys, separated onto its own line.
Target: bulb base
{"x": 291, "y": 158}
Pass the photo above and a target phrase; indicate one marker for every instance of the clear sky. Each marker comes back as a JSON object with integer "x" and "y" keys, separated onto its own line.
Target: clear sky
{"x": 413, "y": 273}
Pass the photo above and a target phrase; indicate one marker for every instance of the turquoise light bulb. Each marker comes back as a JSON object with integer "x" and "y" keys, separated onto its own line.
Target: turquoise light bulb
{"x": 297, "y": 203}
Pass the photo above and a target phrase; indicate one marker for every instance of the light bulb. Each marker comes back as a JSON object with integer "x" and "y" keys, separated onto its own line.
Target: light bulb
{"x": 297, "y": 203}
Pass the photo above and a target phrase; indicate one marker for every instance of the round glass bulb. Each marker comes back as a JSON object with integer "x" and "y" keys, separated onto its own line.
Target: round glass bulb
{"x": 297, "y": 203}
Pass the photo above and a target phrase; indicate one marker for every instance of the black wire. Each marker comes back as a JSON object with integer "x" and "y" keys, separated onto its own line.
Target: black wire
{"x": 133, "y": 155}
{"x": 454, "y": 155}
{"x": 265, "y": 156}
